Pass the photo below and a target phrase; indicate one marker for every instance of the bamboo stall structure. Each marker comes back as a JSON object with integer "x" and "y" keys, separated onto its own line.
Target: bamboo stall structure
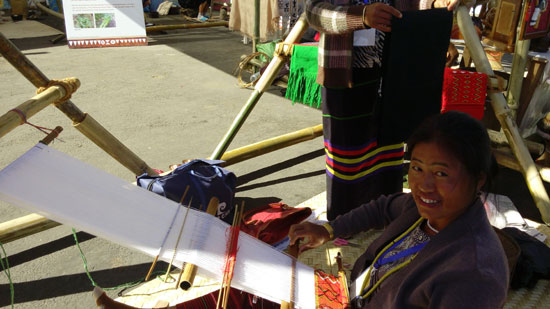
{"x": 263, "y": 84}
{"x": 504, "y": 116}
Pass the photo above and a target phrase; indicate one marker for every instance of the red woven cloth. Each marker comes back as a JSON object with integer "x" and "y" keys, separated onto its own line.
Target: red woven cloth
{"x": 330, "y": 292}
{"x": 464, "y": 91}
{"x": 270, "y": 223}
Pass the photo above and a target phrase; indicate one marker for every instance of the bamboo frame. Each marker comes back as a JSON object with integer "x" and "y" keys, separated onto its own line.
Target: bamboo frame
{"x": 93, "y": 130}
{"x": 272, "y": 144}
{"x": 263, "y": 84}
{"x": 503, "y": 114}
{"x": 29, "y": 108}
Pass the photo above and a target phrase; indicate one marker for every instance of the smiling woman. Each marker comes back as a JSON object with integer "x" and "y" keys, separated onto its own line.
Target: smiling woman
{"x": 438, "y": 249}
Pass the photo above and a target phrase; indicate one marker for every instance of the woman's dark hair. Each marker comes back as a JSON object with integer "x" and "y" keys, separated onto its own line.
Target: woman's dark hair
{"x": 462, "y": 136}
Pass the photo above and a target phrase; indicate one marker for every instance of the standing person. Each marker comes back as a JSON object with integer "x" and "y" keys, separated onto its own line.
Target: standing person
{"x": 359, "y": 168}
{"x": 202, "y": 16}
{"x": 438, "y": 249}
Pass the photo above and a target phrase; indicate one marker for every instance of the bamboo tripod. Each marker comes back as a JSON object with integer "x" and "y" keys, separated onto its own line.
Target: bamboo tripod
{"x": 83, "y": 122}
{"x": 498, "y": 102}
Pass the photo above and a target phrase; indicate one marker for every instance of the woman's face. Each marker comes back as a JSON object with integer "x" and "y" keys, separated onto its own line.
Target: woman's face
{"x": 440, "y": 185}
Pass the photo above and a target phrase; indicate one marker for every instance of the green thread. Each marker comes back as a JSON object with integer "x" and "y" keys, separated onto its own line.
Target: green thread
{"x": 122, "y": 286}
{"x": 347, "y": 118}
{"x": 6, "y": 269}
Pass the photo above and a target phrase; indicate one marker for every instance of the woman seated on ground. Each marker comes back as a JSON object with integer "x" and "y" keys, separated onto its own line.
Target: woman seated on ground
{"x": 438, "y": 249}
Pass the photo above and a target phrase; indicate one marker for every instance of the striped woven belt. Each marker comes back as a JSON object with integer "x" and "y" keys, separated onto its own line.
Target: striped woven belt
{"x": 353, "y": 164}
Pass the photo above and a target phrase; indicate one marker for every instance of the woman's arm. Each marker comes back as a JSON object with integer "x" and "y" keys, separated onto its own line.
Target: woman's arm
{"x": 376, "y": 214}
{"x": 328, "y": 18}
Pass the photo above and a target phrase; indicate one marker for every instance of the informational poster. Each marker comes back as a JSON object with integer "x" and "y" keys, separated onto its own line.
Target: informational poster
{"x": 104, "y": 23}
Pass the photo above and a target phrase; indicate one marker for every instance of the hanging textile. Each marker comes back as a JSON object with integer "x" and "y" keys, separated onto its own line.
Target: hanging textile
{"x": 242, "y": 17}
{"x": 302, "y": 80}
{"x": 464, "y": 91}
{"x": 413, "y": 64}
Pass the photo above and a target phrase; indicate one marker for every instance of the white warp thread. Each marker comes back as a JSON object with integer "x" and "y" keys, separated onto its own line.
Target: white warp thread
{"x": 66, "y": 190}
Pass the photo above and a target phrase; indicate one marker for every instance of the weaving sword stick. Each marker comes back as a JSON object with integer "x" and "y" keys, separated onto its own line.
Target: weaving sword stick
{"x": 231, "y": 255}
{"x": 178, "y": 240}
{"x": 293, "y": 251}
{"x": 166, "y": 236}
{"x": 187, "y": 275}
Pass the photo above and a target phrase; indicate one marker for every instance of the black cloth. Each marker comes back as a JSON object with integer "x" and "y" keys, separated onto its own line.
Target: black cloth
{"x": 533, "y": 262}
{"x": 413, "y": 66}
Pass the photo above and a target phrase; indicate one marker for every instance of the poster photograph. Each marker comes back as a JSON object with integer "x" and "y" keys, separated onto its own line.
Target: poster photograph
{"x": 537, "y": 19}
{"x": 104, "y": 23}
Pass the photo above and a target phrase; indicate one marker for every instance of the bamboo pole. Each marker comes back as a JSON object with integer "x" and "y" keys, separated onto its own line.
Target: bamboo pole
{"x": 506, "y": 158}
{"x": 187, "y": 276}
{"x": 24, "y": 226}
{"x": 272, "y": 144}
{"x": 519, "y": 62}
{"x": 48, "y": 11}
{"x": 101, "y": 138}
{"x": 521, "y": 49}
{"x": 498, "y": 138}
{"x": 110, "y": 144}
{"x": 29, "y": 108}
{"x": 503, "y": 114}
{"x": 263, "y": 83}
{"x": 186, "y": 26}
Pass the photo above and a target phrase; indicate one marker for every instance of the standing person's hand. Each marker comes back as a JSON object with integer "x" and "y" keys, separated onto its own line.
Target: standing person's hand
{"x": 378, "y": 16}
{"x": 312, "y": 235}
{"x": 453, "y": 4}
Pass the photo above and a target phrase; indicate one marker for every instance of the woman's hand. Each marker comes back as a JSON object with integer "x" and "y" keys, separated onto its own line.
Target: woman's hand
{"x": 378, "y": 16}
{"x": 312, "y": 235}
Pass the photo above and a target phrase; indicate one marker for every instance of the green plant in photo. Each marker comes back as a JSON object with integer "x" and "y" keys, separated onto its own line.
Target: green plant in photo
{"x": 103, "y": 20}
{"x": 82, "y": 21}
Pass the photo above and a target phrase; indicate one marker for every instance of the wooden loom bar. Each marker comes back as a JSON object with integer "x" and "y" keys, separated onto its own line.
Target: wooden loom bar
{"x": 24, "y": 226}
{"x": 29, "y": 108}
{"x": 264, "y": 82}
{"x": 503, "y": 114}
{"x": 189, "y": 270}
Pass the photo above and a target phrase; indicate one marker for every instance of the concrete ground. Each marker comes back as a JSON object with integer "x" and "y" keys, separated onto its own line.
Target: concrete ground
{"x": 171, "y": 100}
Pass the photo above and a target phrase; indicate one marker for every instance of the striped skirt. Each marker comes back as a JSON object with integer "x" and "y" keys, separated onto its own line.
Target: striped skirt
{"x": 360, "y": 164}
